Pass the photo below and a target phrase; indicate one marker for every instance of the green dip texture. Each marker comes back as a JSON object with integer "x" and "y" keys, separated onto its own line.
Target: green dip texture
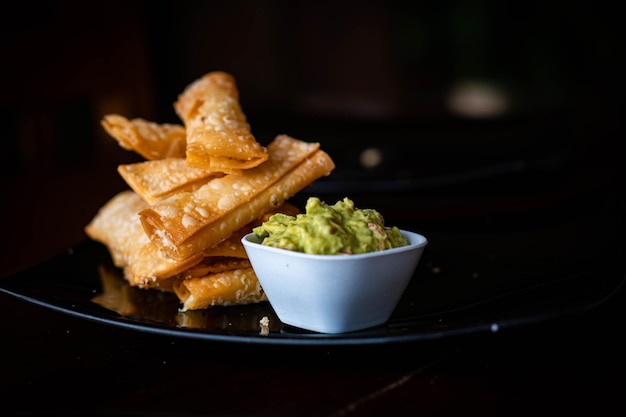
{"x": 330, "y": 230}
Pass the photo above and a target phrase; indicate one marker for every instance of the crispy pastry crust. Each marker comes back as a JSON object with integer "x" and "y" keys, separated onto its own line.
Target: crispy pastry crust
{"x": 219, "y": 137}
{"x": 151, "y": 140}
{"x": 188, "y": 223}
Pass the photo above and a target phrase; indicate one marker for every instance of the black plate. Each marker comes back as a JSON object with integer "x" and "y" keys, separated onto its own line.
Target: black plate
{"x": 468, "y": 281}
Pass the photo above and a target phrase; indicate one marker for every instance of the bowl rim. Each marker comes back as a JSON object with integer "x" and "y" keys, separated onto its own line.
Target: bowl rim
{"x": 416, "y": 241}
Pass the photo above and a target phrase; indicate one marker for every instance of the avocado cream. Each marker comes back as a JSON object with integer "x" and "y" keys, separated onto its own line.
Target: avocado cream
{"x": 330, "y": 230}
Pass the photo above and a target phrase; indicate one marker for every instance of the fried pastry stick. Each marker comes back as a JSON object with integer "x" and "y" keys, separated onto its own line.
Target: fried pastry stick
{"x": 237, "y": 286}
{"x": 189, "y": 222}
{"x": 151, "y": 140}
{"x": 219, "y": 137}
{"x": 118, "y": 227}
{"x": 159, "y": 179}
{"x": 218, "y": 276}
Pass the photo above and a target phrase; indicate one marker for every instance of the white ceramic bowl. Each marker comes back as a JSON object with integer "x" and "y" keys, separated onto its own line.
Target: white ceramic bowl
{"x": 334, "y": 293}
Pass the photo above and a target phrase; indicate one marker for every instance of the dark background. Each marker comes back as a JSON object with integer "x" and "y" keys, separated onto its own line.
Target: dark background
{"x": 536, "y": 185}
{"x": 350, "y": 75}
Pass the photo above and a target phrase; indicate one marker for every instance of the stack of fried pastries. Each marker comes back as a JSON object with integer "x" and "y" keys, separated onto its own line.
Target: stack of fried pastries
{"x": 203, "y": 185}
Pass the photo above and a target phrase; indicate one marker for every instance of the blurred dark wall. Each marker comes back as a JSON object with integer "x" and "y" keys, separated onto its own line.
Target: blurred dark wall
{"x": 65, "y": 64}
{"x": 426, "y": 107}
{"x": 357, "y": 75}
{"x": 340, "y": 72}
{"x": 399, "y": 58}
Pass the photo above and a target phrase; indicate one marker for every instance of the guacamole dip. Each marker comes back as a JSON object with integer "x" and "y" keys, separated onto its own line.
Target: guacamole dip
{"x": 330, "y": 230}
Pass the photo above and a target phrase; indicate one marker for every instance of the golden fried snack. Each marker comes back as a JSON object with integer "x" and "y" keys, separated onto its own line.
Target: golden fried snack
{"x": 198, "y": 284}
{"x": 233, "y": 248}
{"x": 218, "y": 135}
{"x": 214, "y": 265}
{"x": 159, "y": 179}
{"x": 117, "y": 226}
{"x": 150, "y": 140}
{"x": 188, "y": 223}
{"x": 238, "y": 286}
{"x": 150, "y": 268}
{"x": 202, "y": 187}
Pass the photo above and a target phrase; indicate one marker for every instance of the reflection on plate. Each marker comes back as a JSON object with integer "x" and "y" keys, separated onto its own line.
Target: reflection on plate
{"x": 164, "y": 307}
{"x": 465, "y": 283}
